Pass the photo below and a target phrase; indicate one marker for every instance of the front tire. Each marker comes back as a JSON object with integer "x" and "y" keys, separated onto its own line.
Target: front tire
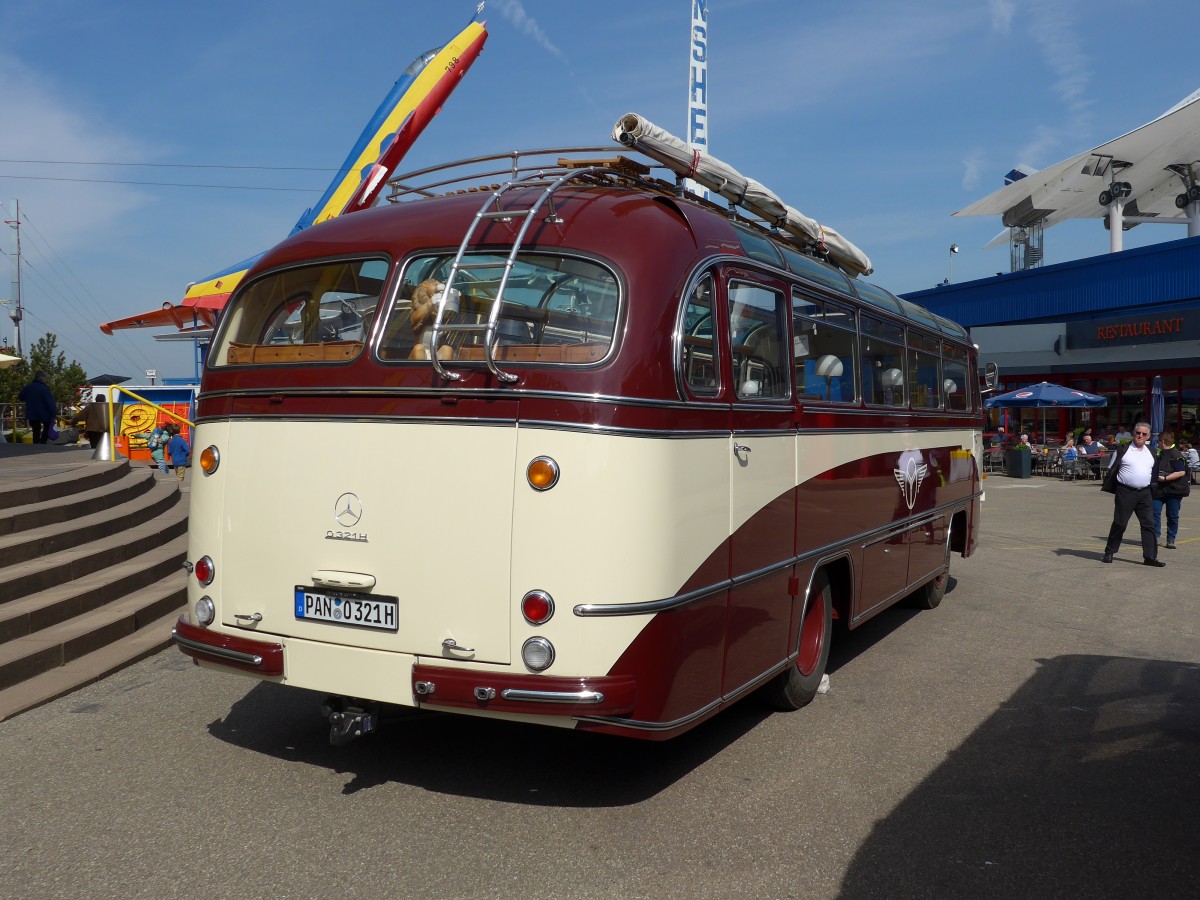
{"x": 797, "y": 685}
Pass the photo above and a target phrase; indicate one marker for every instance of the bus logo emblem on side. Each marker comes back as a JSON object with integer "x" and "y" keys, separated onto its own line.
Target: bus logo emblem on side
{"x": 909, "y": 478}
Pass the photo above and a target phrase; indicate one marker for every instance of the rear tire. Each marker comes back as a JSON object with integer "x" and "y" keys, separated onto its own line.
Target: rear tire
{"x": 929, "y": 595}
{"x": 797, "y": 685}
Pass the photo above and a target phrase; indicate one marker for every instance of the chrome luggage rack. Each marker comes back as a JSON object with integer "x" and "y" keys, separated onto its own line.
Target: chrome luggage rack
{"x": 484, "y": 173}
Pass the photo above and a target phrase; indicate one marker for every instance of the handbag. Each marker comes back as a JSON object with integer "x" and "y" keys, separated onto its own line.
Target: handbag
{"x": 1109, "y": 485}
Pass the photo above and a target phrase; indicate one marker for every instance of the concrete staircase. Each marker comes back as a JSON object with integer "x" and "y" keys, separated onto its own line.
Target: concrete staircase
{"x": 90, "y": 574}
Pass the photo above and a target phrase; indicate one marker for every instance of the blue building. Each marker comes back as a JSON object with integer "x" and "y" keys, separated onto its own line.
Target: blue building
{"x": 1106, "y": 324}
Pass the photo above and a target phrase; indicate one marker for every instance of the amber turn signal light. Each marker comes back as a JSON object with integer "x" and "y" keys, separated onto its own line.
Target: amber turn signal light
{"x": 210, "y": 458}
{"x": 542, "y": 473}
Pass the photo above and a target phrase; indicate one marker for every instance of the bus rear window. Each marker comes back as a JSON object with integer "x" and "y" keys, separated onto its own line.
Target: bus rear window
{"x": 307, "y": 314}
{"x": 555, "y": 309}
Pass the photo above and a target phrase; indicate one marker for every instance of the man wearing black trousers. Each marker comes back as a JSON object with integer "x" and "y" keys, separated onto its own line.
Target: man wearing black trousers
{"x": 1133, "y": 496}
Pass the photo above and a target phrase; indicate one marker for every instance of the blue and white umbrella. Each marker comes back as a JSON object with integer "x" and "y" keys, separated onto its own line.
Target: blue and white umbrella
{"x": 1042, "y": 395}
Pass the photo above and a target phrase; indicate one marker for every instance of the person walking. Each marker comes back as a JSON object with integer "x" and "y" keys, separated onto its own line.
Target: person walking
{"x": 1170, "y": 486}
{"x": 40, "y": 407}
{"x": 94, "y": 420}
{"x": 1133, "y": 469}
{"x": 178, "y": 450}
{"x": 156, "y": 443}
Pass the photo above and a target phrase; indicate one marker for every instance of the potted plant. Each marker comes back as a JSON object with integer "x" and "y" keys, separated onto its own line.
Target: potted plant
{"x": 1018, "y": 461}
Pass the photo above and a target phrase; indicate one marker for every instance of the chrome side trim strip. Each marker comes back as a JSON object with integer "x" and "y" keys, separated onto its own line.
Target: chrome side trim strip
{"x": 650, "y": 607}
{"x": 653, "y": 726}
{"x": 252, "y": 659}
{"x": 553, "y": 696}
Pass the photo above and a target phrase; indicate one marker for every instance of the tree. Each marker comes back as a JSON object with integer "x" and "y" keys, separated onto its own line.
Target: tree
{"x": 64, "y": 378}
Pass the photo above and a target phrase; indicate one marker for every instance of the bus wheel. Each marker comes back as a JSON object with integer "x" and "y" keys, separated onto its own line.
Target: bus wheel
{"x": 930, "y": 595}
{"x": 797, "y": 685}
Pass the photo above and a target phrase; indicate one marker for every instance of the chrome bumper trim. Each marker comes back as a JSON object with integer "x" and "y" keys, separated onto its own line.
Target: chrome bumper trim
{"x": 252, "y": 659}
{"x": 553, "y": 696}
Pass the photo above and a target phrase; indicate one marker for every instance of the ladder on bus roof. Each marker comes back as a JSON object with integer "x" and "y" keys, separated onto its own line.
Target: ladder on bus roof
{"x": 487, "y": 214}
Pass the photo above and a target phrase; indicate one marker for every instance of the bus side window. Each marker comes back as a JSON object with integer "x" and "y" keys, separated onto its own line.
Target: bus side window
{"x": 882, "y": 353}
{"x": 699, "y": 361}
{"x": 955, "y": 384}
{"x": 824, "y": 350}
{"x": 758, "y": 329}
{"x": 924, "y": 380}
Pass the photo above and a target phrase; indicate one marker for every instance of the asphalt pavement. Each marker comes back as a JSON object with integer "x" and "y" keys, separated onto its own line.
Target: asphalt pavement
{"x": 1038, "y": 735}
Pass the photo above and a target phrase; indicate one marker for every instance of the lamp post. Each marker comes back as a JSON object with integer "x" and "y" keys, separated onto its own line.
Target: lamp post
{"x": 950, "y": 272}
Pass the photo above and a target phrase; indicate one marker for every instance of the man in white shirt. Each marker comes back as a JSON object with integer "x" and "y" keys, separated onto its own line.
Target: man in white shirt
{"x": 1136, "y": 462}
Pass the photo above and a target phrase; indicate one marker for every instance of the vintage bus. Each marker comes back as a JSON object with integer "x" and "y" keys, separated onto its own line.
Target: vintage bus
{"x": 578, "y": 449}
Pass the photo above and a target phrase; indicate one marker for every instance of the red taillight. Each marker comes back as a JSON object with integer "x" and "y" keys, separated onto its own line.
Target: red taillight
{"x": 537, "y": 607}
{"x": 204, "y": 571}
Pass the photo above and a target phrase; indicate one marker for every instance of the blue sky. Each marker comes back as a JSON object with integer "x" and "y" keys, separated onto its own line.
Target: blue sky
{"x": 878, "y": 118}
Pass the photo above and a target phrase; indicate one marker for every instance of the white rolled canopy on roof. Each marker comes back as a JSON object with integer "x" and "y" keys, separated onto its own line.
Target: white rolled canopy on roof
{"x": 643, "y": 135}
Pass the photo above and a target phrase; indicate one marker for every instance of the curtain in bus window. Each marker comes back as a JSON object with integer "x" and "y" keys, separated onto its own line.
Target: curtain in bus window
{"x": 698, "y": 361}
{"x": 823, "y": 348}
{"x": 758, "y": 332}
{"x": 881, "y": 348}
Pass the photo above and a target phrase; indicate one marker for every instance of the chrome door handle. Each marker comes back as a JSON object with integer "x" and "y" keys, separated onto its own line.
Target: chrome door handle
{"x": 740, "y": 448}
{"x": 452, "y": 644}
{"x": 257, "y": 617}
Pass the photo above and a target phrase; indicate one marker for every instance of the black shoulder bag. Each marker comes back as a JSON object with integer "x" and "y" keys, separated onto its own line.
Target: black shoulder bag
{"x": 1110, "y": 477}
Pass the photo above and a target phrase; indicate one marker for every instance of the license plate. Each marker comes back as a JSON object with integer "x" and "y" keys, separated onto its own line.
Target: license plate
{"x": 361, "y": 610}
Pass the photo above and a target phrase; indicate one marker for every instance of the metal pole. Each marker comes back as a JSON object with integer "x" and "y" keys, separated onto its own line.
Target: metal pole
{"x": 17, "y": 314}
{"x": 1116, "y": 225}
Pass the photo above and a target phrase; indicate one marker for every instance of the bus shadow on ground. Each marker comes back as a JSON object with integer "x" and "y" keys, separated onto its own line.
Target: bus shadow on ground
{"x": 487, "y": 759}
{"x": 1085, "y": 783}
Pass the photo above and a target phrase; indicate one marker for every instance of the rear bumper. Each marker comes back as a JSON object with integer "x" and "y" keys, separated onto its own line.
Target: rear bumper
{"x": 525, "y": 694}
{"x": 243, "y": 654}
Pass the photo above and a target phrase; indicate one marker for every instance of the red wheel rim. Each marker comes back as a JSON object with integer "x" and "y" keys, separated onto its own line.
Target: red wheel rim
{"x": 812, "y": 635}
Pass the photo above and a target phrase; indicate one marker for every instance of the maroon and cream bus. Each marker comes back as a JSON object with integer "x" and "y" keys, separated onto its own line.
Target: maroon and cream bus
{"x": 580, "y": 449}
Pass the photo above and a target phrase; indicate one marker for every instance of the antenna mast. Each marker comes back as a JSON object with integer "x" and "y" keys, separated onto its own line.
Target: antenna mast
{"x": 697, "y": 124}
{"x": 17, "y": 314}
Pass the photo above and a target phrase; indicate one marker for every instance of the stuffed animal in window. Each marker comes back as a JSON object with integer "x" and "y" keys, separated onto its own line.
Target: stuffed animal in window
{"x": 426, "y": 298}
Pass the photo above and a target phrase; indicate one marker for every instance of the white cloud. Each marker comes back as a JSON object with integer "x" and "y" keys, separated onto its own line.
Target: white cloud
{"x": 1053, "y": 29}
{"x": 514, "y": 12}
{"x": 42, "y": 125}
{"x": 972, "y": 169}
{"x": 1002, "y": 12}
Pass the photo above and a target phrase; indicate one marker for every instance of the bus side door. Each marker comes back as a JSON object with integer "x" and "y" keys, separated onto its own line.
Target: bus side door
{"x": 762, "y": 466}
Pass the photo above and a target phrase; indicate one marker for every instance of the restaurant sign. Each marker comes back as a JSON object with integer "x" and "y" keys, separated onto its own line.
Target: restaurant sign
{"x": 1157, "y": 327}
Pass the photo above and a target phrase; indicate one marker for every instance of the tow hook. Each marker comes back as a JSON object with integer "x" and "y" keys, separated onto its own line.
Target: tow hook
{"x": 348, "y": 719}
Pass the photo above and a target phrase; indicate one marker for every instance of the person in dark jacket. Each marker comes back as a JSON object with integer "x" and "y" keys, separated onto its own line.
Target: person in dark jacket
{"x": 1170, "y": 486}
{"x": 178, "y": 450}
{"x": 94, "y": 420}
{"x": 40, "y": 407}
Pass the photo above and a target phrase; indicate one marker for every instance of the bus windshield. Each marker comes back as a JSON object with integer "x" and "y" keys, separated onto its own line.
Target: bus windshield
{"x": 554, "y": 309}
{"x": 318, "y": 313}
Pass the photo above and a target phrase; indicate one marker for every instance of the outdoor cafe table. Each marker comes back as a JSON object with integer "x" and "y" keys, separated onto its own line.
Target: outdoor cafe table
{"x": 1097, "y": 462}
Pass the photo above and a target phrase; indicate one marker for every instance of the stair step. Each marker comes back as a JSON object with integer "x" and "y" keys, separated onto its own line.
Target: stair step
{"x": 84, "y": 502}
{"x": 59, "y": 602}
{"x": 86, "y": 475}
{"x": 37, "y": 559}
{"x": 53, "y": 647}
{"x": 48, "y": 539}
{"x": 153, "y": 637}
